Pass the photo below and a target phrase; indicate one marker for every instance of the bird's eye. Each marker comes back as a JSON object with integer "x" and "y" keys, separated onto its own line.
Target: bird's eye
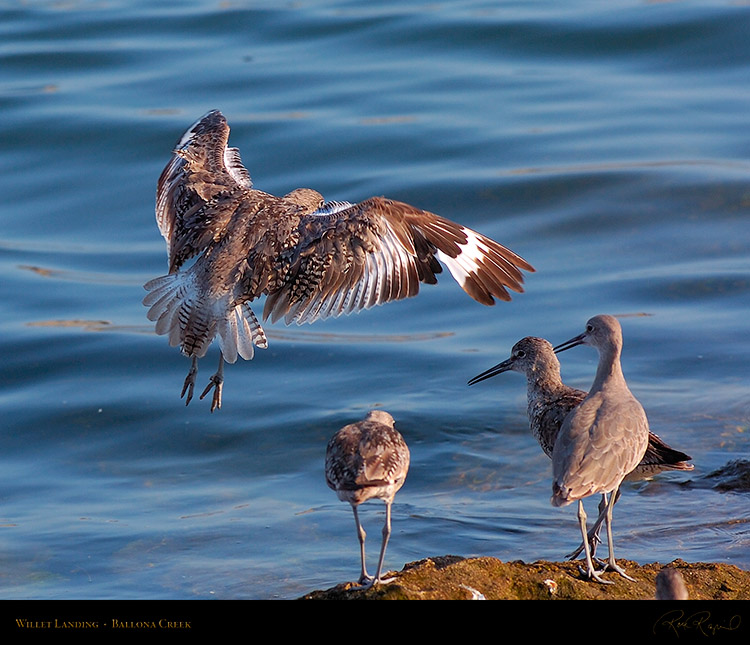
{"x": 589, "y": 328}
{"x": 520, "y": 353}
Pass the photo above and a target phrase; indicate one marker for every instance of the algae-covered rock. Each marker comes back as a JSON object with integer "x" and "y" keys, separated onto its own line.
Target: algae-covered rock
{"x": 452, "y": 577}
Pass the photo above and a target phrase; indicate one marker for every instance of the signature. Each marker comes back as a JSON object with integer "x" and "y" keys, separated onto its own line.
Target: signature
{"x": 679, "y": 622}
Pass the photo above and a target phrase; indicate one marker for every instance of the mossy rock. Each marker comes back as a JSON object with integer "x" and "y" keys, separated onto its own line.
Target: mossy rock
{"x": 452, "y": 577}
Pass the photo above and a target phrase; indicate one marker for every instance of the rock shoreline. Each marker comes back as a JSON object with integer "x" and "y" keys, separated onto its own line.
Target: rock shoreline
{"x": 451, "y": 577}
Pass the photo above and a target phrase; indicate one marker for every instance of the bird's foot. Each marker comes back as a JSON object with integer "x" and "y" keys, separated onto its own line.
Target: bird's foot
{"x": 372, "y": 582}
{"x": 613, "y": 566}
{"x": 383, "y": 581}
{"x": 592, "y": 574}
{"x": 216, "y": 382}
{"x": 365, "y": 581}
{"x": 189, "y": 384}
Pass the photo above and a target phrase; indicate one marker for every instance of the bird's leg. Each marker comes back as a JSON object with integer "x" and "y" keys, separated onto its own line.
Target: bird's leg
{"x": 593, "y": 534}
{"x": 216, "y": 382}
{"x": 603, "y": 506}
{"x": 384, "y": 544}
{"x": 611, "y": 564}
{"x": 190, "y": 381}
{"x": 364, "y": 579}
{"x": 590, "y": 572}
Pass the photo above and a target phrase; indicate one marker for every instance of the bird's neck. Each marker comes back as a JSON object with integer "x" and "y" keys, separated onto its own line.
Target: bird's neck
{"x": 546, "y": 380}
{"x": 609, "y": 370}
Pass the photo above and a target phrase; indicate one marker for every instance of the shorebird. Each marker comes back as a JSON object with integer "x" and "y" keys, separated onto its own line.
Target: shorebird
{"x": 602, "y": 439}
{"x": 550, "y": 401}
{"x": 368, "y": 460}
{"x": 228, "y": 244}
{"x": 670, "y": 585}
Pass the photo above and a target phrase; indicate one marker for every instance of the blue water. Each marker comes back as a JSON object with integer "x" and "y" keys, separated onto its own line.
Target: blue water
{"x": 607, "y": 143}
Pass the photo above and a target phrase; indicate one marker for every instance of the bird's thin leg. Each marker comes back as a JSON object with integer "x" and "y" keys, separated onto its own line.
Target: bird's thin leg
{"x": 384, "y": 543}
{"x": 611, "y": 564}
{"x": 216, "y": 382}
{"x": 190, "y": 381}
{"x": 603, "y": 505}
{"x": 593, "y": 534}
{"x": 590, "y": 571}
{"x": 361, "y": 535}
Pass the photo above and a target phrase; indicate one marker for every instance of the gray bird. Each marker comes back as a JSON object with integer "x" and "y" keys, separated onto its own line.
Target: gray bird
{"x": 368, "y": 460}
{"x": 229, "y": 244}
{"x": 602, "y": 439}
{"x": 550, "y": 401}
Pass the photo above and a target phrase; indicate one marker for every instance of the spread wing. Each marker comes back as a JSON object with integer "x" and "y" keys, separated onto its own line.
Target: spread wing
{"x": 197, "y": 191}
{"x": 352, "y": 257}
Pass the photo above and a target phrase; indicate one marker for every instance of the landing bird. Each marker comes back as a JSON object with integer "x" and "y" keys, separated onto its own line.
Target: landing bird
{"x": 602, "y": 439}
{"x": 368, "y": 460}
{"x": 550, "y": 401}
{"x": 228, "y": 244}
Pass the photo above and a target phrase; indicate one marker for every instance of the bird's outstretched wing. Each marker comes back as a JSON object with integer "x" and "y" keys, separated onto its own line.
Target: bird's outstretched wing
{"x": 354, "y": 256}
{"x": 197, "y": 191}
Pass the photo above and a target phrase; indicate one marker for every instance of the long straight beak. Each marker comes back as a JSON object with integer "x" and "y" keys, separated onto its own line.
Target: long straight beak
{"x": 573, "y": 342}
{"x": 493, "y": 371}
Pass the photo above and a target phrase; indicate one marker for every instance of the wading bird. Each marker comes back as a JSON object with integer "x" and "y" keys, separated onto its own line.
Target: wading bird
{"x": 602, "y": 439}
{"x": 550, "y": 401}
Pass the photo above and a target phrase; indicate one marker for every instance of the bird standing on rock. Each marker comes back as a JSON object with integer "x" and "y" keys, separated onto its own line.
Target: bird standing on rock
{"x": 368, "y": 460}
{"x": 550, "y": 401}
{"x": 228, "y": 244}
{"x": 603, "y": 439}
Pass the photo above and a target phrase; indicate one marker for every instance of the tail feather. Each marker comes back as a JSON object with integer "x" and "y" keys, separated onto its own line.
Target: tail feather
{"x": 156, "y": 290}
{"x": 239, "y": 333}
{"x": 178, "y": 313}
{"x": 227, "y": 332}
{"x": 168, "y": 307}
{"x": 560, "y": 496}
{"x": 192, "y": 325}
{"x": 181, "y": 313}
{"x": 257, "y": 334}
{"x": 159, "y": 306}
{"x": 244, "y": 336}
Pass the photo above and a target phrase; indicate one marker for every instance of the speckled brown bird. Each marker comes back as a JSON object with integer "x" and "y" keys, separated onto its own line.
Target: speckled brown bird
{"x": 368, "y": 460}
{"x": 229, "y": 244}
